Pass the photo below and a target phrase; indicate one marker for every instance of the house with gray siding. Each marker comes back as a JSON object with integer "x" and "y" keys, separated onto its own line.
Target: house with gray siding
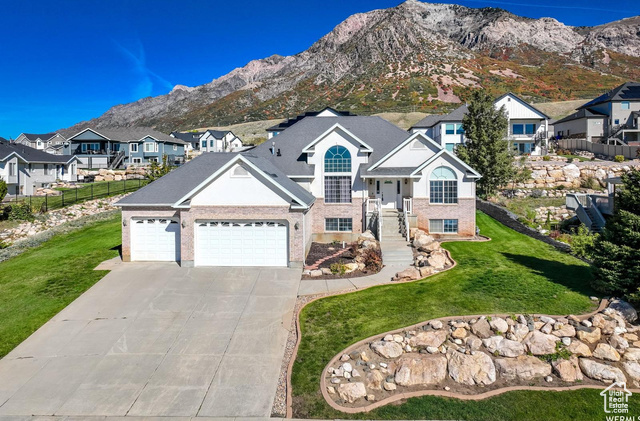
{"x": 118, "y": 147}
{"x": 52, "y": 143}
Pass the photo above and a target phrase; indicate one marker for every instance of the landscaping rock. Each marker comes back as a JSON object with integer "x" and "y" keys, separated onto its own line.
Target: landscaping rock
{"x": 351, "y": 392}
{"x": 632, "y": 354}
{"x": 498, "y": 324}
{"x": 316, "y": 272}
{"x": 524, "y": 367}
{"x": 409, "y": 273}
{"x": 459, "y": 333}
{"x": 565, "y": 331}
{"x": 606, "y": 326}
{"x": 421, "y": 241}
{"x": 602, "y": 372}
{"x": 436, "y": 324}
{"x": 420, "y": 369}
{"x": 477, "y": 368}
{"x": 591, "y": 336}
{"x": 481, "y": 328}
{"x": 633, "y": 371}
{"x": 539, "y": 343}
{"x": 606, "y": 352}
{"x": 374, "y": 380}
{"x": 618, "y": 342}
{"x": 437, "y": 259}
{"x": 473, "y": 343}
{"x": 350, "y": 267}
{"x": 568, "y": 370}
{"x": 504, "y": 347}
{"x": 625, "y": 309}
{"x": 387, "y": 349}
{"x": 325, "y": 271}
{"x": 428, "y": 339}
{"x": 389, "y": 387}
{"x": 519, "y": 331}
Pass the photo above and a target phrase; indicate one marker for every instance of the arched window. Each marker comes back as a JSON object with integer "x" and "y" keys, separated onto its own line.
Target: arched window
{"x": 443, "y": 186}
{"x": 337, "y": 188}
{"x": 337, "y": 159}
{"x": 240, "y": 172}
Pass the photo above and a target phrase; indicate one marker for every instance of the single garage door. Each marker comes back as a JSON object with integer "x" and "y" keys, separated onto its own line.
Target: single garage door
{"x": 228, "y": 243}
{"x": 155, "y": 239}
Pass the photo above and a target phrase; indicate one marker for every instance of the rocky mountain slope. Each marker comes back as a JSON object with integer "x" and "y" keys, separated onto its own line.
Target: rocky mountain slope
{"x": 414, "y": 57}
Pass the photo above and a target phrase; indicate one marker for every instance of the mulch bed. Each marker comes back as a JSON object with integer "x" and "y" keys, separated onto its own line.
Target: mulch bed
{"x": 323, "y": 255}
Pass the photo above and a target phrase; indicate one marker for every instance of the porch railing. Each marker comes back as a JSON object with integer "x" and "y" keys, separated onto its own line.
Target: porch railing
{"x": 374, "y": 205}
{"x": 407, "y": 205}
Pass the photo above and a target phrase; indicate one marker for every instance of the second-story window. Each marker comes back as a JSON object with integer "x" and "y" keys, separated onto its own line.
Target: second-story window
{"x": 149, "y": 147}
{"x": 337, "y": 186}
{"x": 443, "y": 186}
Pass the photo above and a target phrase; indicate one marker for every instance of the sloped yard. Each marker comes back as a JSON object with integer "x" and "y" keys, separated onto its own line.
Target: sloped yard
{"x": 512, "y": 273}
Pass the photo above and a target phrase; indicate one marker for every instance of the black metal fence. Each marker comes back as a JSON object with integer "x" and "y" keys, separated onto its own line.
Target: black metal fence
{"x": 71, "y": 196}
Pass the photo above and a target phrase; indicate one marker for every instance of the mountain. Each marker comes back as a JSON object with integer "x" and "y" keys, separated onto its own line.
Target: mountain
{"x": 413, "y": 57}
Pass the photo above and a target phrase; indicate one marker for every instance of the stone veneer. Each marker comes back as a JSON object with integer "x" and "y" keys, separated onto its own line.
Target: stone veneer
{"x": 188, "y": 217}
{"x": 464, "y": 211}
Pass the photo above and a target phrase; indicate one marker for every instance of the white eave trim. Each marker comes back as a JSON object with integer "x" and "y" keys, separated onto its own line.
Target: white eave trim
{"x": 307, "y": 148}
{"x": 402, "y": 145}
{"x": 474, "y": 173}
{"x": 225, "y": 167}
{"x": 88, "y": 129}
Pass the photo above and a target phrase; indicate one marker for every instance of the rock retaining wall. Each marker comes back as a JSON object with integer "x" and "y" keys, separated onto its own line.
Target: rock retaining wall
{"x": 554, "y": 174}
{"x": 477, "y": 355}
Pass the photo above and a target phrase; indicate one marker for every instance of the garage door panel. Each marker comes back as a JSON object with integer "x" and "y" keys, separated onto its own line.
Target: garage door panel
{"x": 155, "y": 239}
{"x": 220, "y": 243}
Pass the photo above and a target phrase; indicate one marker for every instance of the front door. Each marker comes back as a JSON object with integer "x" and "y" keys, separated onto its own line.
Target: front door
{"x": 388, "y": 194}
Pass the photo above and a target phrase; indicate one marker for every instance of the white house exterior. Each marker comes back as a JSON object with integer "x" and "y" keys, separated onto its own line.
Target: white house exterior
{"x": 527, "y": 132}
{"x": 324, "y": 178}
{"x": 25, "y": 169}
{"x": 219, "y": 141}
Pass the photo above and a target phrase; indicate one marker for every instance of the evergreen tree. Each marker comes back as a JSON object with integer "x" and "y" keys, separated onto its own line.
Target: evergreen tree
{"x": 486, "y": 149}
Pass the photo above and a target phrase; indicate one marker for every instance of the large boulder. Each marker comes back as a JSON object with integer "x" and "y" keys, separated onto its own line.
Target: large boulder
{"x": 519, "y": 331}
{"x": 409, "y": 273}
{"x": 433, "y": 338}
{"x": 602, "y": 372}
{"x": 571, "y": 172}
{"x": 418, "y": 369}
{"x": 481, "y": 328}
{"x": 592, "y": 336}
{"x": 579, "y": 348}
{"x": 374, "y": 380}
{"x": 606, "y": 324}
{"x": 387, "y": 349}
{"x": 568, "y": 370}
{"x": 632, "y": 354}
{"x": 625, "y": 309}
{"x": 503, "y": 347}
{"x": 606, "y": 352}
{"x": 422, "y": 240}
{"x": 438, "y": 259}
{"x": 565, "y": 331}
{"x": 524, "y": 367}
{"x": 633, "y": 371}
{"x": 351, "y": 392}
{"x": 499, "y": 324}
{"x": 539, "y": 343}
{"x": 476, "y": 368}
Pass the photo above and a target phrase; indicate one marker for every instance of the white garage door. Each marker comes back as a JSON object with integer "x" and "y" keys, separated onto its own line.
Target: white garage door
{"x": 155, "y": 239}
{"x": 226, "y": 243}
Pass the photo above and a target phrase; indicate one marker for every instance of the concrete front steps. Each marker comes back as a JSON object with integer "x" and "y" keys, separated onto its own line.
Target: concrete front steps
{"x": 396, "y": 251}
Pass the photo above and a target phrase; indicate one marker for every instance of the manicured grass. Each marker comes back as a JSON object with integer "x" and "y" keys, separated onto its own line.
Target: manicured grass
{"x": 579, "y": 158}
{"x": 37, "y": 284}
{"x": 510, "y": 274}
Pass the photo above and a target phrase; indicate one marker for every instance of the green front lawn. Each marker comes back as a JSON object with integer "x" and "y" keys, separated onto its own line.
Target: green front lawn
{"x": 37, "y": 284}
{"x": 510, "y": 274}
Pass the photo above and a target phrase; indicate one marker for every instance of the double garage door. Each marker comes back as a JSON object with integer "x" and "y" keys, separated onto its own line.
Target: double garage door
{"x": 230, "y": 243}
{"x": 217, "y": 243}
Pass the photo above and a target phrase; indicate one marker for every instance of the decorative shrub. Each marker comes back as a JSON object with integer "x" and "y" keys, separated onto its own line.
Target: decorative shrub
{"x": 582, "y": 242}
{"x": 546, "y": 158}
{"x": 21, "y": 212}
{"x": 372, "y": 260}
{"x": 338, "y": 268}
{"x": 3, "y": 189}
{"x": 618, "y": 158}
{"x": 590, "y": 183}
{"x": 536, "y": 194}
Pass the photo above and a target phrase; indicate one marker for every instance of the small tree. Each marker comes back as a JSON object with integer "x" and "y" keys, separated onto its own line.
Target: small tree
{"x": 3, "y": 189}
{"x": 486, "y": 149}
{"x": 157, "y": 170}
{"x": 616, "y": 252}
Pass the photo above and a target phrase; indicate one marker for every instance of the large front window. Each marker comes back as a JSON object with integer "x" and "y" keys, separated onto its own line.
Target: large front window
{"x": 338, "y": 224}
{"x": 337, "y": 188}
{"x": 443, "y": 186}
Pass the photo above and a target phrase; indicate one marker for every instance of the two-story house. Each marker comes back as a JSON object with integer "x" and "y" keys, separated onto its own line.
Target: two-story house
{"x": 25, "y": 169}
{"x": 192, "y": 139}
{"x": 114, "y": 147}
{"x": 326, "y": 112}
{"x": 527, "y": 129}
{"x": 324, "y": 178}
{"x": 611, "y": 117}
{"x": 52, "y": 143}
{"x": 219, "y": 141}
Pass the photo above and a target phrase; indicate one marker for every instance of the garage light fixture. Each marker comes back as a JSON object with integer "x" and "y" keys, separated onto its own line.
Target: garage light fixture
{"x": 124, "y": 222}
{"x": 184, "y": 224}
{"x": 297, "y": 226}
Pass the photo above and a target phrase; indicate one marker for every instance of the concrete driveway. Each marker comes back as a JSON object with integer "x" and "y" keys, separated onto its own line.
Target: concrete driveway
{"x": 158, "y": 340}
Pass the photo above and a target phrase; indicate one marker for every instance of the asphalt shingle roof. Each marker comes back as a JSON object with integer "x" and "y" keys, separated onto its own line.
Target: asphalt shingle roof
{"x": 30, "y": 154}
{"x": 127, "y": 134}
{"x": 173, "y": 186}
{"x": 218, "y": 134}
{"x": 432, "y": 120}
{"x": 188, "y": 137}
{"x": 33, "y": 137}
{"x": 625, "y": 92}
{"x": 582, "y": 113}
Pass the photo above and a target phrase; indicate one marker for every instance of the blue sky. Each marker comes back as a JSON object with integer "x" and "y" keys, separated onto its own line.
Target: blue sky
{"x": 65, "y": 61}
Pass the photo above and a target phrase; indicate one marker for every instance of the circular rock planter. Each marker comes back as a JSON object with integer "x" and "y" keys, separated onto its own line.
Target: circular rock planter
{"x": 474, "y": 357}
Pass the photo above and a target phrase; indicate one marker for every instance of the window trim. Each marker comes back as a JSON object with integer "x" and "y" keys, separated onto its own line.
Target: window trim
{"x": 449, "y": 128}
{"x": 339, "y": 160}
{"x": 339, "y": 222}
{"x": 527, "y": 126}
{"x": 133, "y": 148}
{"x": 520, "y": 127}
{"x": 153, "y": 147}
{"x": 451, "y": 222}
{"x": 441, "y": 189}
{"x": 136, "y": 160}
{"x": 337, "y": 179}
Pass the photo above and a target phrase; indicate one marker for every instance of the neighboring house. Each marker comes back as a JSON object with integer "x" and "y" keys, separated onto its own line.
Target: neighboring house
{"x": 49, "y": 142}
{"x": 324, "y": 178}
{"x": 192, "y": 139}
{"x": 219, "y": 141}
{"x": 327, "y": 112}
{"x": 527, "y": 132}
{"x": 25, "y": 169}
{"x": 611, "y": 117}
{"x": 583, "y": 124}
{"x": 115, "y": 147}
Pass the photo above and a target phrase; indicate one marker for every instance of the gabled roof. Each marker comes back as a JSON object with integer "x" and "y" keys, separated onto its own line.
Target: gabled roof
{"x": 431, "y": 120}
{"x": 470, "y": 171}
{"x": 629, "y": 91}
{"x": 291, "y": 121}
{"x": 32, "y": 155}
{"x": 218, "y": 134}
{"x": 379, "y": 135}
{"x": 33, "y": 137}
{"x": 525, "y": 103}
{"x": 127, "y": 134}
{"x": 188, "y": 136}
{"x": 582, "y": 113}
{"x": 409, "y": 139}
{"x": 182, "y": 183}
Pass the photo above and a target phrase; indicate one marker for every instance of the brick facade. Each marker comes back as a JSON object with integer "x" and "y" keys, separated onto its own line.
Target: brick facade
{"x": 353, "y": 210}
{"x": 140, "y": 212}
{"x": 464, "y": 212}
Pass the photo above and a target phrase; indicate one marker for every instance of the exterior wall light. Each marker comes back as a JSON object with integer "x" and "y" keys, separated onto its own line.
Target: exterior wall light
{"x": 124, "y": 222}
{"x": 296, "y": 226}
{"x": 183, "y": 224}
